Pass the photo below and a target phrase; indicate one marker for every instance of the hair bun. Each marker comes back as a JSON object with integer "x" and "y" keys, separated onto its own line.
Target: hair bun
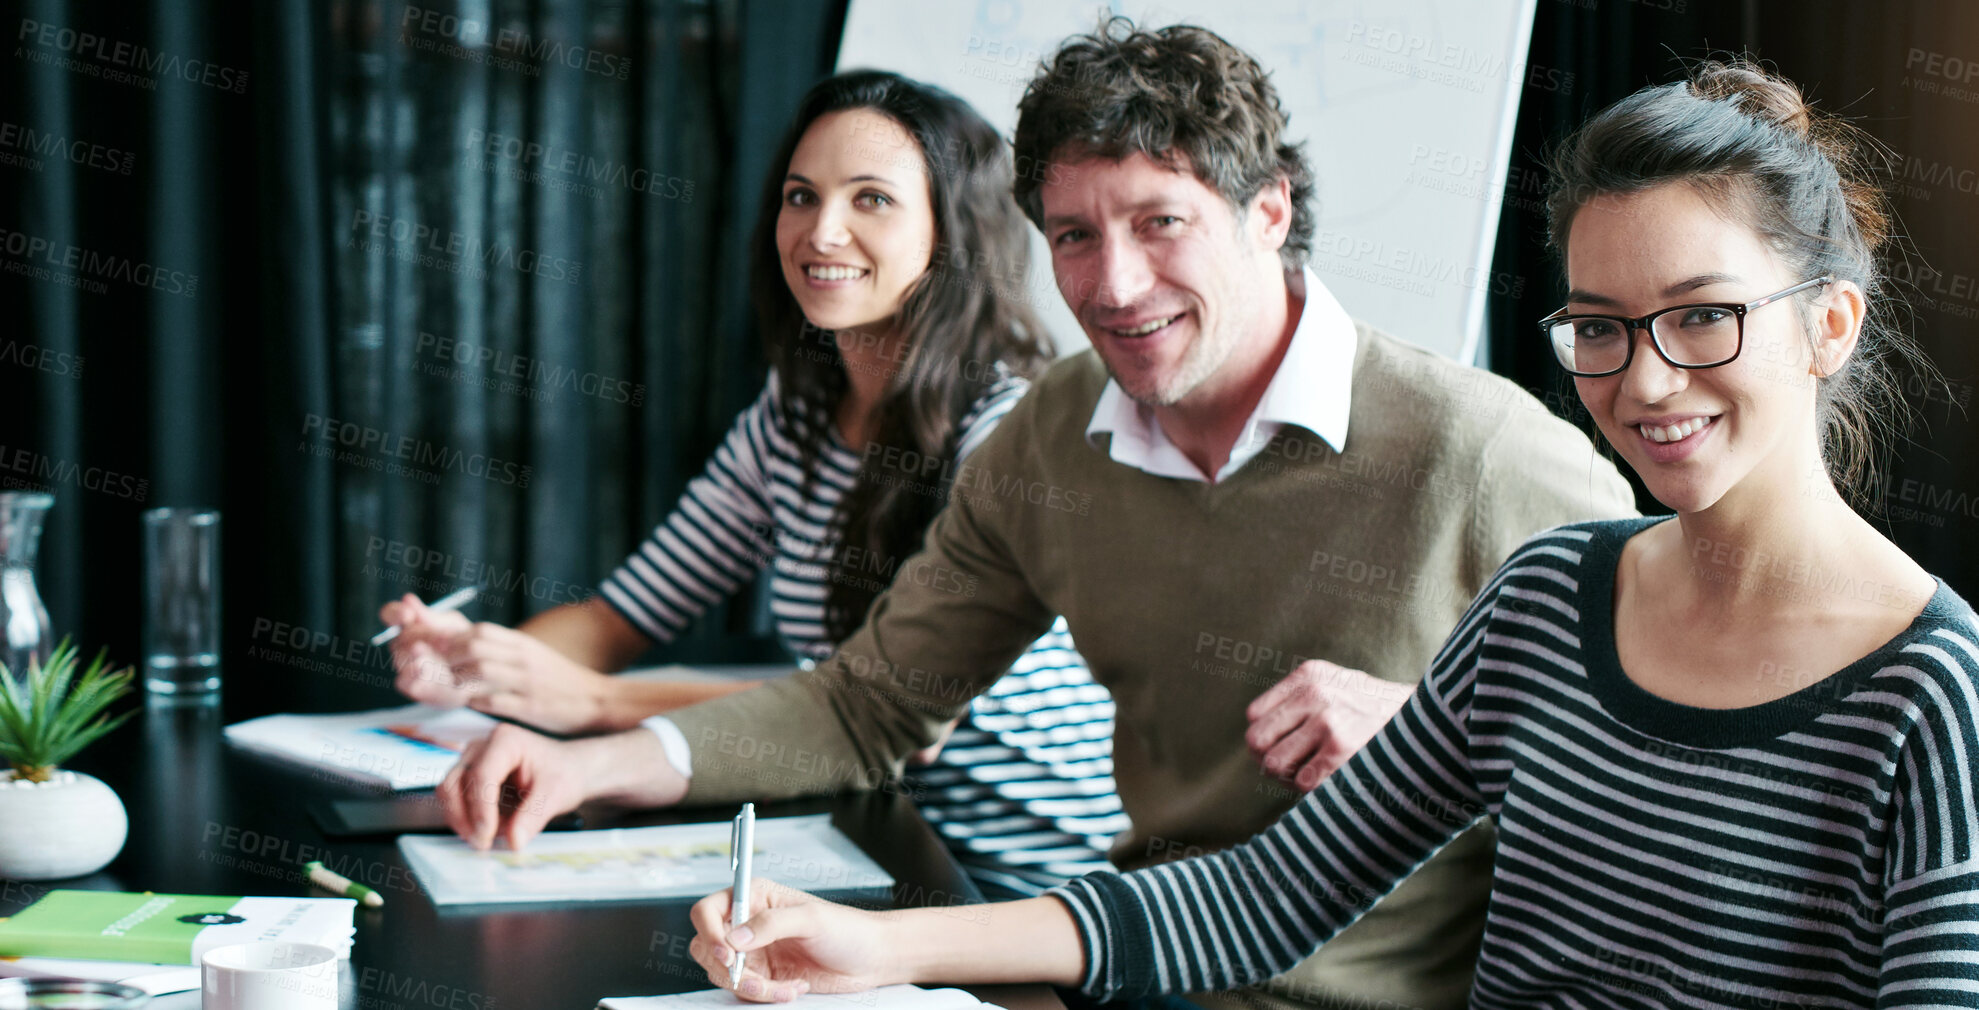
{"x": 1777, "y": 101}
{"x": 1758, "y": 93}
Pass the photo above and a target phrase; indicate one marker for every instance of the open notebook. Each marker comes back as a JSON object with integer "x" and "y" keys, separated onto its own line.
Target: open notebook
{"x": 892, "y": 997}
{"x": 411, "y": 747}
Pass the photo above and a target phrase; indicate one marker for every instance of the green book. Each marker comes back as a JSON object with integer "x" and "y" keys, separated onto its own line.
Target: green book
{"x": 169, "y": 928}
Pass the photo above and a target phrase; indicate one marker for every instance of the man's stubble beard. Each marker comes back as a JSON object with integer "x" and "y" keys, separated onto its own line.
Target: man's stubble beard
{"x": 1205, "y": 355}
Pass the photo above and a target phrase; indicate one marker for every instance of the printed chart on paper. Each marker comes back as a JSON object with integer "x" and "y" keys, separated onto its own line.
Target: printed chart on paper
{"x": 681, "y": 860}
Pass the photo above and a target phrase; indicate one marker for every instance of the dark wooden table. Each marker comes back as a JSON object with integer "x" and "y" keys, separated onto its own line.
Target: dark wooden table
{"x": 207, "y": 819}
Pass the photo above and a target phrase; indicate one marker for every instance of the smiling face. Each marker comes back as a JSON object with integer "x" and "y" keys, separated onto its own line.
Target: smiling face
{"x": 1696, "y": 436}
{"x": 1161, "y": 272}
{"x": 856, "y": 227}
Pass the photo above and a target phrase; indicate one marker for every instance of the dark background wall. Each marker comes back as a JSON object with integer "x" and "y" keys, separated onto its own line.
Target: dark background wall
{"x": 289, "y": 220}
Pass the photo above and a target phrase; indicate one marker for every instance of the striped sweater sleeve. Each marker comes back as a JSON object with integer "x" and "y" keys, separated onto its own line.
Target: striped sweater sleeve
{"x": 988, "y": 411}
{"x": 719, "y": 534}
{"x": 1931, "y": 910}
{"x": 1246, "y": 914}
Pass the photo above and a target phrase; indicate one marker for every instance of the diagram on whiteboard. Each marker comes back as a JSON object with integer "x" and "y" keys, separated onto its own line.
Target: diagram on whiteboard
{"x": 683, "y": 860}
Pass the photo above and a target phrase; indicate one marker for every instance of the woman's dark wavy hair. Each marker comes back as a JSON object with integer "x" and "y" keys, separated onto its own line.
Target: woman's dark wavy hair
{"x": 963, "y": 317}
{"x": 1806, "y": 182}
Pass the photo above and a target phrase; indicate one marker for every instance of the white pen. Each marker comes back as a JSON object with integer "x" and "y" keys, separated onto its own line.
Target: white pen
{"x": 452, "y": 601}
{"x": 741, "y": 845}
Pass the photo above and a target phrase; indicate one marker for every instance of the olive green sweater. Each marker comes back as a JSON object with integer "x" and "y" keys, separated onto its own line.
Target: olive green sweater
{"x": 1188, "y": 600}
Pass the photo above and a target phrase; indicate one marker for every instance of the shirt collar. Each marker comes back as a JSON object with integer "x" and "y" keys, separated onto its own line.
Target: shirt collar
{"x": 1313, "y": 389}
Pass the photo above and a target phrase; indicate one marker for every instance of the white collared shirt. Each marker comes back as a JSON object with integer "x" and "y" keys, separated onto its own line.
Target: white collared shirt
{"x": 1313, "y": 389}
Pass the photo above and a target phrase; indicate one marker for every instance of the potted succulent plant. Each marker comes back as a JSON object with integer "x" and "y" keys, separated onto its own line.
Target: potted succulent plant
{"x": 56, "y": 823}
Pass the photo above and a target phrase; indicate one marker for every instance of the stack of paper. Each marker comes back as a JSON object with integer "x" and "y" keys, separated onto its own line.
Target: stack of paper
{"x": 398, "y": 748}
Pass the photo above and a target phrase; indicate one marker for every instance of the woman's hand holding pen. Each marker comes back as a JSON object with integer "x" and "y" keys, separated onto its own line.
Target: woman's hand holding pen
{"x": 796, "y": 944}
{"x": 418, "y": 652}
{"x": 444, "y": 659}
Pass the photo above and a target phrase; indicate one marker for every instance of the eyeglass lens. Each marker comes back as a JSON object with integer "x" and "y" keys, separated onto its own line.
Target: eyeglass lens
{"x": 1688, "y": 335}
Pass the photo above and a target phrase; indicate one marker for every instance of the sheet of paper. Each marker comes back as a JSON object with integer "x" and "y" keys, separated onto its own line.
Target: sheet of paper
{"x": 892, "y": 997}
{"x": 673, "y": 861}
{"x": 412, "y": 747}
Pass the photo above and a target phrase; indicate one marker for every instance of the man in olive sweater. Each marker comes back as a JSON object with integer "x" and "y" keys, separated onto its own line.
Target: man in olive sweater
{"x": 1260, "y": 520}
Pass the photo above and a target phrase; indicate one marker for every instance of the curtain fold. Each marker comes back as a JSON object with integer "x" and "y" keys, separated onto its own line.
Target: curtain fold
{"x": 417, "y": 304}
{"x": 463, "y": 301}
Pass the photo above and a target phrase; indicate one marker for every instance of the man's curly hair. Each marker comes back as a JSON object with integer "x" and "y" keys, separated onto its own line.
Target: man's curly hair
{"x": 1180, "y": 95}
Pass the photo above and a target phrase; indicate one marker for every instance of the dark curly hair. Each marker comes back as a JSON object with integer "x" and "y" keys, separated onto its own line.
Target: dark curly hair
{"x": 1179, "y": 95}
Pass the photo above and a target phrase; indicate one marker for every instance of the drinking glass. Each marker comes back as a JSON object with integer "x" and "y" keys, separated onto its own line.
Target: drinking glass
{"x": 181, "y": 600}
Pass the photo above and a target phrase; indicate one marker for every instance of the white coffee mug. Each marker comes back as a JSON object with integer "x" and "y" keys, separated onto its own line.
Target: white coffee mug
{"x": 269, "y": 976}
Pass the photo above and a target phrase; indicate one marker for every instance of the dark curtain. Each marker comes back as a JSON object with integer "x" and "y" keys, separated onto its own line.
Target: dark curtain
{"x": 1901, "y": 70}
{"x": 426, "y": 294}
{"x": 418, "y": 295}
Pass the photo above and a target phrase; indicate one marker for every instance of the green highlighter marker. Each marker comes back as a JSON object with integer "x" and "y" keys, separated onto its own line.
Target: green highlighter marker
{"x": 336, "y": 883}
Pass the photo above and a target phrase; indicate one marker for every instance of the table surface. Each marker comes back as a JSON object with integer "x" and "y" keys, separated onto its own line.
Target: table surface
{"x": 208, "y": 819}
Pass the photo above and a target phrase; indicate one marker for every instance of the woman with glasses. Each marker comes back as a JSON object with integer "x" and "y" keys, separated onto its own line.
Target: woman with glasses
{"x": 1728, "y": 752}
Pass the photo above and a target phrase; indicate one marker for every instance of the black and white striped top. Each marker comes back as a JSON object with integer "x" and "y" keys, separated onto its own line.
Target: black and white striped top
{"x": 1023, "y": 792}
{"x": 1816, "y": 850}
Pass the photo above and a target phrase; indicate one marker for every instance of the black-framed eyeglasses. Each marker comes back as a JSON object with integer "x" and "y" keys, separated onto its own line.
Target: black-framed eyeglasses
{"x": 1699, "y": 335}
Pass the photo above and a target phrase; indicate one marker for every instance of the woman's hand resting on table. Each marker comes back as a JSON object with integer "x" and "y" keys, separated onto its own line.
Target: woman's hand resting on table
{"x": 446, "y": 660}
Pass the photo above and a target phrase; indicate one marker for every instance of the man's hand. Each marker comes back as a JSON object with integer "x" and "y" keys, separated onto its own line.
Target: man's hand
{"x": 443, "y": 659}
{"x": 795, "y": 943}
{"x": 514, "y": 781}
{"x": 927, "y": 755}
{"x": 1310, "y": 723}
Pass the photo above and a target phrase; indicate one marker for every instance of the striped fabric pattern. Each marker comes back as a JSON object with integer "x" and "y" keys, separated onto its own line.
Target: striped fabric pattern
{"x": 1816, "y": 850}
{"x": 1023, "y": 791}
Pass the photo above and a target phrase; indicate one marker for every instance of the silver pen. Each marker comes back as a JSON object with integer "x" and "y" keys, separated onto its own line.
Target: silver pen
{"x": 741, "y": 846}
{"x": 452, "y": 601}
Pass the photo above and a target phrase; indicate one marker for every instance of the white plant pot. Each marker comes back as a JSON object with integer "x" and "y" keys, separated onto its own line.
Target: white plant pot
{"x": 70, "y": 825}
